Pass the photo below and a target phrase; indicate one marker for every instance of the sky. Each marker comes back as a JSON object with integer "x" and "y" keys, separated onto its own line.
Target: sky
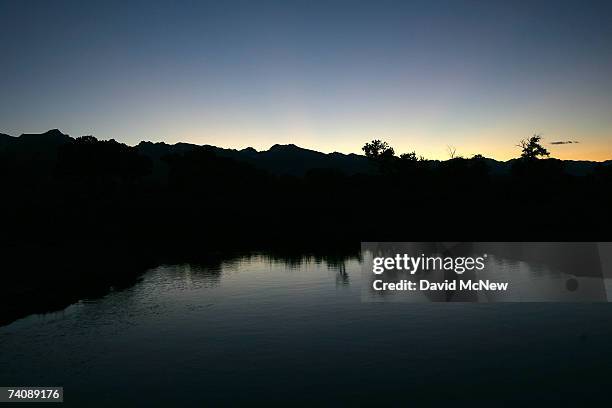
{"x": 325, "y": 75}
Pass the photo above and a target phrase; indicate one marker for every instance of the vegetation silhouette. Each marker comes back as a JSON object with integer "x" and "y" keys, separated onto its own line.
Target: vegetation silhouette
{"x": 532, "y": 149}
{"x": 80, "y": 214}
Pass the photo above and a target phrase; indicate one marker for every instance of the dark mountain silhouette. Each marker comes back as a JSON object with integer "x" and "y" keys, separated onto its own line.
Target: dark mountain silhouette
{"x": 53, "y": 136}
{"x": 43, "y": 143}
{"x": 279, "y": 159}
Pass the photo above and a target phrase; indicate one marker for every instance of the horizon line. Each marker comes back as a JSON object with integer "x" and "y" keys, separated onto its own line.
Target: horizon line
{"x": 468, "y": 156}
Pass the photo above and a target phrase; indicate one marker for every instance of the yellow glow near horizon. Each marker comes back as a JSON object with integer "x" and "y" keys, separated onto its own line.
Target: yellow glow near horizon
{"x": 500, "y": 148}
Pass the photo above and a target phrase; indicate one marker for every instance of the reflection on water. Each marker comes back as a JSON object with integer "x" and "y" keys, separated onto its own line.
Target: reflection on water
{"x": 294, "y": 331}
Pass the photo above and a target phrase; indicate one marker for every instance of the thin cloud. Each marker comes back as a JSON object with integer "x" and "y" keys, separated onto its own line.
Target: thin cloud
{"x": 564, "y": 142}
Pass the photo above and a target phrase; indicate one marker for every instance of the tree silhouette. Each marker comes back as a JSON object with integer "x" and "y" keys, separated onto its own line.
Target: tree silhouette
{"x": 412, "y": 157}
{"x": 378, "y": 149}
{"x": 532, "y": 149}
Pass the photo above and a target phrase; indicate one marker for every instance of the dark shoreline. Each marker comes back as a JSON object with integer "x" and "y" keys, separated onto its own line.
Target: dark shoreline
{"x": 44, "y": 278}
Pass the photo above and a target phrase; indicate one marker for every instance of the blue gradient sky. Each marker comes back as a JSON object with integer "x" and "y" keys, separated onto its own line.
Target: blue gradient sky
{"x": 479, "y": 75}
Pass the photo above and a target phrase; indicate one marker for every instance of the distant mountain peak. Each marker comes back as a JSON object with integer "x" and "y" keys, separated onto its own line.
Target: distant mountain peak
{"x": 147, "y": 143}
{"x": 54, "y": 132}
{"x": 289, "y": 146}
{"x": 249, "y": 150}
{"x": 50, "y": 132}
{"x": 50, "y": 136}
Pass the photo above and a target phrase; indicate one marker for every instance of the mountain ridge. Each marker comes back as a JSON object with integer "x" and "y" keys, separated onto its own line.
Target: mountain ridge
{"x": 288, "y": 159}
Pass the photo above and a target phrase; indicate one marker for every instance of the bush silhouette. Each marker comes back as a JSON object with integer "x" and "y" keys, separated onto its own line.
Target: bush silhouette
{"x": 532, "y": 149}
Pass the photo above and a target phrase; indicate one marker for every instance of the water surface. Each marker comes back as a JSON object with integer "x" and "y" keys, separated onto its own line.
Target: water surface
{"x": 259, "y": 329}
